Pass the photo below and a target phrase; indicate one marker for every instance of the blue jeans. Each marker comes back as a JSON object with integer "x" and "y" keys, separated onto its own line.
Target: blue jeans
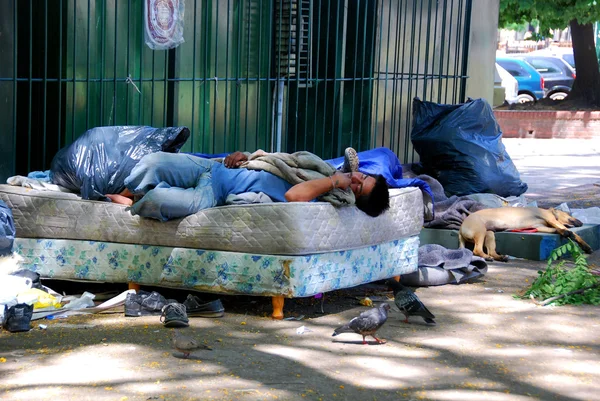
{"x": 173, "y": 185}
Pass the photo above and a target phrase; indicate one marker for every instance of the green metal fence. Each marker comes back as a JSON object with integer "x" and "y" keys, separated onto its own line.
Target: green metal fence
{"x": 315, "y": 75}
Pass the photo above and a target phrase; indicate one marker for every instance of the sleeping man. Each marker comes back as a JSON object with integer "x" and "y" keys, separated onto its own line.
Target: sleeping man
{"x": 173, "y": 185}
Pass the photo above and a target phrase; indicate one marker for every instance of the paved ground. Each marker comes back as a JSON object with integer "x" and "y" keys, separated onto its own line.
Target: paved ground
{"x": 558, "y": 170}
{"x": 486, "y": 345}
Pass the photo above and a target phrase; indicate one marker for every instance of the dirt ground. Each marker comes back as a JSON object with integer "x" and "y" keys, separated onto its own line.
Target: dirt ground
{"x": 486, "y": 345}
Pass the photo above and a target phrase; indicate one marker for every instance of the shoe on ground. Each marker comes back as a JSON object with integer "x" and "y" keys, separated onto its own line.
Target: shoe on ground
{"x": 144, "y": 303}
{"x": 350, "y": 161}
{"x": 174, "y": 315}
{"x": 18, "y": 318}
{"x": 196, "y": 308}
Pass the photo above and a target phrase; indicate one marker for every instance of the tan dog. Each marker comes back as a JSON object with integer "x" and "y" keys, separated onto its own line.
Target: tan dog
{"x": 479, "y": 227}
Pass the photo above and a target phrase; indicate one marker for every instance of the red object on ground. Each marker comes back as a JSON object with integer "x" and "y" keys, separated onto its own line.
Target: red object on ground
{"x": 524, "y": 230}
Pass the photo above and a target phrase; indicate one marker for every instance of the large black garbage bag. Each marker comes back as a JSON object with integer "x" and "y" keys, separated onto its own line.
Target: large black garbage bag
{"x": 461, "y": 146}
{"x": 7, "y": 230}
{"x": 98, "y": 162}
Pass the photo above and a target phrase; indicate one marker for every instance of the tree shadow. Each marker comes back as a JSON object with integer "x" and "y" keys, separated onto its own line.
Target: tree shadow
{"x": 486, "y": 345}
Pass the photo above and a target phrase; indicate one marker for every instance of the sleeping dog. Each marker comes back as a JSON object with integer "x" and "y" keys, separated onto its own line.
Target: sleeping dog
{"x": 479, "y": 227}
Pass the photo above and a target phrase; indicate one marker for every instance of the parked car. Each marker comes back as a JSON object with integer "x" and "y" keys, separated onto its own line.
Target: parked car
{"x": 558, "y": 74}
{"x": 563, "y": 53}
{"x": 531, "y": 83}
{"x": 509, "y": 83}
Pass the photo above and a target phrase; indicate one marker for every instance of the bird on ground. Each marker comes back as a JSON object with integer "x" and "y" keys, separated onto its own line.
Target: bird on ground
{"x": 408, "y": 302}
{"x": 186, "y": 344}
{"x": 367, "y": 323}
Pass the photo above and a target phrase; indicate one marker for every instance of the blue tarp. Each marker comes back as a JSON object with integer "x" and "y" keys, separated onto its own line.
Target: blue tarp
{"x": 385, "y": 162}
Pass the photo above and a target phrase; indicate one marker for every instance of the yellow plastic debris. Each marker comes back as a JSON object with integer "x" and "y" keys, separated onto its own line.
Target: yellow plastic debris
{"x": 44, "y": 300}
{"x": 366, "y": 301}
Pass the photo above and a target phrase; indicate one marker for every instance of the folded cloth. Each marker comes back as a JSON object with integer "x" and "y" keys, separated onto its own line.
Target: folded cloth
{"x": 35, "y": 183}
{"x": 449, "y": 212}
{"x": 439, "y": 266}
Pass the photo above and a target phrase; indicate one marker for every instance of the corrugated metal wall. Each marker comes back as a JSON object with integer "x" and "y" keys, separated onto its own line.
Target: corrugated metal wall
{"x": 318, "y": 75}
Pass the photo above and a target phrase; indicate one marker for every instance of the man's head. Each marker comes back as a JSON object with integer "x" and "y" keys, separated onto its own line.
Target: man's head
{"x": 371, "y": 192}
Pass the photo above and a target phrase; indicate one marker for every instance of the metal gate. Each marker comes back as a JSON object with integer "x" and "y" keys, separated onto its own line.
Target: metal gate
{"x": 288, "y": 75}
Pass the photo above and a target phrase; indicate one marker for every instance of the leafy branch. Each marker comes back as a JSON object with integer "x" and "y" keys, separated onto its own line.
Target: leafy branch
{"x": 561, "y": 285}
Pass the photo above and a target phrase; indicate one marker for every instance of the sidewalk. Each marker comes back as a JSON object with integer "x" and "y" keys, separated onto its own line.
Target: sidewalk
{"x": 558, "y": 170}
{"x": 486, "y": 346}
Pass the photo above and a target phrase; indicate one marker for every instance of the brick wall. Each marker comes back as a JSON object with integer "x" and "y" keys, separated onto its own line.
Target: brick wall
{"x": 549, "y": 124}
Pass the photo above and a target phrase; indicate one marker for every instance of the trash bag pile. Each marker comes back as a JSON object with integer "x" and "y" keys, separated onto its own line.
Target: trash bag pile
{"x": 98, "y": 162}
{"x": 461, "y": 146}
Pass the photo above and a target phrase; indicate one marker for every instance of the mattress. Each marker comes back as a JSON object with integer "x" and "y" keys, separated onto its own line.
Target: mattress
{"x": 274, "y": 228}
{"x": 217, "y": 271}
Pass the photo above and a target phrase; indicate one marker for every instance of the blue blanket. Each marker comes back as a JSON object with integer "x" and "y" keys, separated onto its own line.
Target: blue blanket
{"x": 385, "y": 162}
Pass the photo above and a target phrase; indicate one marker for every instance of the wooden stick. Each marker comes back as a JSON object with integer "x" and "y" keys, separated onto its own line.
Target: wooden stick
{"x": 552, "y": 299}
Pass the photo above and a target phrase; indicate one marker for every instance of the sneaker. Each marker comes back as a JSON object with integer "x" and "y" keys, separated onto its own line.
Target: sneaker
{"x": 144, "y": 304}
{"x": 174, "y": 315}
{"x": 195, "y": 307}
{"x": 18, "y": 318}
{"x": 350, "y": 161}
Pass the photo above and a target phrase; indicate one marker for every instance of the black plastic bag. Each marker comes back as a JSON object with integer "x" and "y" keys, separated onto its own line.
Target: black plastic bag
{"x": 7, "y": 230}
{"x": 98, "y": 162}
{"x": 461, "y": 146}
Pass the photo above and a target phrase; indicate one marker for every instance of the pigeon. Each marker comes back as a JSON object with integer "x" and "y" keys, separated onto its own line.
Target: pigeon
{"x": 408, "y": 302}
{"x": 186, "y": 344}
{"x": 367, "y": 323}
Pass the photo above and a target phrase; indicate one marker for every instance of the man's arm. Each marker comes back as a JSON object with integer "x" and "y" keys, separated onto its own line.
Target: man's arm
{"x": 309, "y": 190}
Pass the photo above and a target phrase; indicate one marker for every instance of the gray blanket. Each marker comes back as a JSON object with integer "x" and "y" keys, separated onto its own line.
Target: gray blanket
{"x": 438, "y": 266}
{"x": 449, "y": 211}
{"x": 299, "y": 167}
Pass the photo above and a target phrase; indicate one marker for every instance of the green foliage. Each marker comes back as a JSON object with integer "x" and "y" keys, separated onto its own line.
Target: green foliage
{"x": 558, "y": 279}
{"x": 552, "y": 14}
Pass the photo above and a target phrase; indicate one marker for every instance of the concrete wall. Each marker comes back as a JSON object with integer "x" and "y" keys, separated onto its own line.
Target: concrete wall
{"x": 482, "y": 49}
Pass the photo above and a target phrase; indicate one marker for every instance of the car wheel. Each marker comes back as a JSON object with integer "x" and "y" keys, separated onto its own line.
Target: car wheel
{"x": 558, "y": 96}
{"x": 524, "y": 98}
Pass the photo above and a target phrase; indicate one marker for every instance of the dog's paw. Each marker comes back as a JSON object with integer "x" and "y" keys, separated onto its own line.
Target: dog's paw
{"x": 503, "y": 258}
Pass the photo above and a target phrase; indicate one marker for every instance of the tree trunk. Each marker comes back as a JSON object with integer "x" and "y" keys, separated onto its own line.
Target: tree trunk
{"x": 586, "y": 87}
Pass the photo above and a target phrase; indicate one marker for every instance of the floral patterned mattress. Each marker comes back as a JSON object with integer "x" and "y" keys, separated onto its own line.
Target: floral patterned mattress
{"x": 218, "y": 271}
{"x": 289, "y": 249}
{"x": 271, "y": 229}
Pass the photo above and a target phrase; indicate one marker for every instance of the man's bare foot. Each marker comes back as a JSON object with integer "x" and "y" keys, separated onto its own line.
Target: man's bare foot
{"x": 120, "y": 199}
